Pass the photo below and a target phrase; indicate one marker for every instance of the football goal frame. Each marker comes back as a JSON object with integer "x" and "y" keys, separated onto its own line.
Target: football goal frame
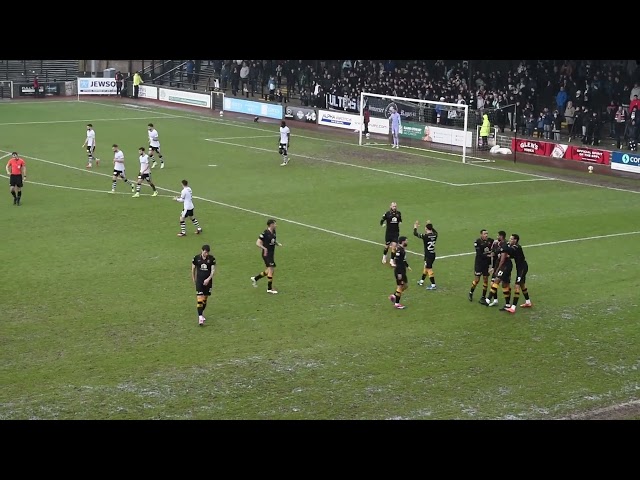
{"x": 430, "y": 132}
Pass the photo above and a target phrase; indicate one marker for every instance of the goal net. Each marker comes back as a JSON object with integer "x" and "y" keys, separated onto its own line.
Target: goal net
{"x": 425, "y": 124}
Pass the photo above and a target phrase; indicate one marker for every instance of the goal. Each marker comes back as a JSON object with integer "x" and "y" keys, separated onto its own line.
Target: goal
{"x": 425, "y": 124}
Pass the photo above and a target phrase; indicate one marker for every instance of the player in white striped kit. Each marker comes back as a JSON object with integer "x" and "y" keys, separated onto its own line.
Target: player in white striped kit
{"x": 186, "y": 197}
{"x": 145, "y": 174}
{"x": 154, "y": 146}
{"x": 90, "y": 144}
{"x": 118, "y": 169}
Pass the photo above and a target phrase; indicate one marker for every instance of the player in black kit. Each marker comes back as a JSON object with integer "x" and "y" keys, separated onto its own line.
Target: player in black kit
{"x": 522, "y": 267}
{"x": 203, "y": 267}
{"x": 267, "y": 243}
{"x": 495, "y": 259}
{"x": 392, "y": 218}
{"x": 400, "y": 273}
{"x": 502, "y": 276}
{"x": 429, "y": 238}
{"x": 482, "y": 262}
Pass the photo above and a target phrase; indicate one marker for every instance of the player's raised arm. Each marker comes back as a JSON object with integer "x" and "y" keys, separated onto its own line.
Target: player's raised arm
{"x": 416, "y": 224}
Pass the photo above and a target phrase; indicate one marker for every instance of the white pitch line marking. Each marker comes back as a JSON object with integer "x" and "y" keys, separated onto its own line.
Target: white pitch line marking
{"x": 20, "y": 102}
{"x": 556, "y": 242}
{"x": 213, "y": 165}
{"x": 76, "y": 121}
{"x": 320, "y": 229}
{"x": 129, "y": 108}
{"x": 242, "y": 138}
{"x": 4, "y": 156}
{"x": 505, "y": 181}
{"x": 66, "y": 187}
{"x": 379, "y": 170}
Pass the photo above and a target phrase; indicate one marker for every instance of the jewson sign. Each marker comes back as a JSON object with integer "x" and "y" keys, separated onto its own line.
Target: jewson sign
{"x": 96, "y": 86}
{"x": 626, "y": 162}
{"x": 259, "y": 109}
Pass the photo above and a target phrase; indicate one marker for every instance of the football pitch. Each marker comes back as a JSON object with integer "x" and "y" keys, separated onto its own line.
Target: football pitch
{"x": 98, "y": 315}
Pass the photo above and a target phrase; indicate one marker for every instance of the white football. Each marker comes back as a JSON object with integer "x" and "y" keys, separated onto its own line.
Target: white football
{"x": 590, "y": 169}
{"x": 221, "y": 113}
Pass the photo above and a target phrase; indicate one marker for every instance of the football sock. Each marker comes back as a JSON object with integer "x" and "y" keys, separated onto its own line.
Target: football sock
{"x": 516, "y": 297}
{"x": 13, "y": 193}
{"x": 474, "y": 284}
{"x": 183, "y": 226}
{"x": 19, "y": 194}
{"x": 153, "y": 187}
{"x": 398, "y": 294}
{"x": 138, "y": 187}
{"x": 385, "y": 251}
{"x": 200, "y": 307}
{"x": 525, "y": 293}
{"x": 506, "y": 291}
{"x": 424, "y": 274}
{"x": 260, "y": 275}
{"x": 113, "y": 185}
{"x": 493, "y": 293}
{"x": 270, "y": 284}
{"x": 204, "y": 303}
{"x": 432, "y": 277}
{"x": 195, "y": 222}
{"x": 484, "y": 287}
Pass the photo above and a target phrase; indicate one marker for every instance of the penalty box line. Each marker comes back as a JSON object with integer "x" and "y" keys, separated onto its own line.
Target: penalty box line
{"x": 324, "y": 230}
{"x": 373, "y": 169}
{"x": 226, "y": 122}
{"x": 336, "y": 162}
{"x": 477, "y": 165}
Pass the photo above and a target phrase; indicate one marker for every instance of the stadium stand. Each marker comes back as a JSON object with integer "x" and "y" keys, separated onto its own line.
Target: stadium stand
{"x": 519, "y": 96}
{"x": 47, "y": 70}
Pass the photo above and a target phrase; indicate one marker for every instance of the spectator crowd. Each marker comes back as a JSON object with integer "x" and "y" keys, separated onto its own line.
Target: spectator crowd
{"x": 586, "y": 100}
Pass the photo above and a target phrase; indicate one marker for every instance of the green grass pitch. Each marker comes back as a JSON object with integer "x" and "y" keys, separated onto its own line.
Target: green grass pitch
{"x": 98, "y": 316}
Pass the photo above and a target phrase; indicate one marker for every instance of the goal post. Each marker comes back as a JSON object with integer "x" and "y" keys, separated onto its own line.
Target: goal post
{"x": 425, "y": 124}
